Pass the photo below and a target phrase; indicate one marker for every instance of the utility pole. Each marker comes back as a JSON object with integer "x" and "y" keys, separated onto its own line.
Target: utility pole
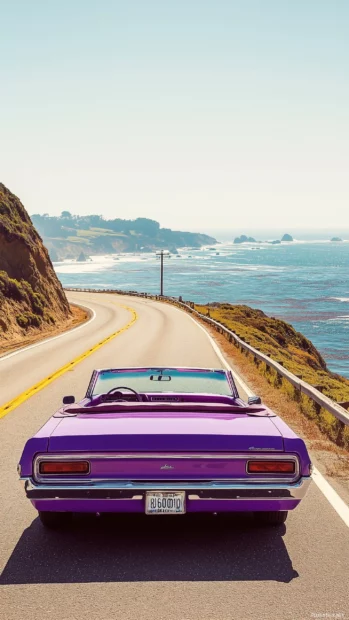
{"x": 162, "y": 274}
{"x": 162, "y": 253}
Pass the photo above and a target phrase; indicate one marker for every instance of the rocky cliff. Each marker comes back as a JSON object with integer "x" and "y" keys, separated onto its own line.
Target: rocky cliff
{"x": 31, "y": 296}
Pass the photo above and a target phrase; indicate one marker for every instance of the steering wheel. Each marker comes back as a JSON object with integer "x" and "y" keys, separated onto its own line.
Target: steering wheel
{"x": 119, "y": 395}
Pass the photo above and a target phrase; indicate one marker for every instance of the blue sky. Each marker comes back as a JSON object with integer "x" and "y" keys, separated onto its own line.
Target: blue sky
{"x": 200, "y": 114}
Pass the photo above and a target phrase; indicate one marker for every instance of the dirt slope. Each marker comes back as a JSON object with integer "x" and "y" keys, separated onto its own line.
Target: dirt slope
{"x": 31, "y": 296}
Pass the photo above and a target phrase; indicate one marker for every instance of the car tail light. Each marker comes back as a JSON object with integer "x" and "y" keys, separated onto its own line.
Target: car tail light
{"x": 271, "y": 467}
{"x": 64, "y": 467}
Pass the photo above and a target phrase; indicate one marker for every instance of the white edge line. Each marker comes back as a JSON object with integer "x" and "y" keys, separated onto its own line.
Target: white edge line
{"x": 332, "y": 496}
{"x": 326, "y": 489}
{"x": 46, "y": 340}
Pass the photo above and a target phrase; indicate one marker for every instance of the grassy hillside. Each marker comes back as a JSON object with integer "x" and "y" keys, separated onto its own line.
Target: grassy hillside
{"x": 283, "y": 343}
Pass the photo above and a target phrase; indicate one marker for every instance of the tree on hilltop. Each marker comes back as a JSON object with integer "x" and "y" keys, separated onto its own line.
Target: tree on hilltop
{"x": 145, "y": 226}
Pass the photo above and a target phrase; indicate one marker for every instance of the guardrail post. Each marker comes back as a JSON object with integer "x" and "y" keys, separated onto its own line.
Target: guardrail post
{"x": 279, "y": 378}
{"x": 317, "y": 407}
{"x": 297, "y": 390}
{"x": 340, "y": 434}
{"x": 267, "y": 366}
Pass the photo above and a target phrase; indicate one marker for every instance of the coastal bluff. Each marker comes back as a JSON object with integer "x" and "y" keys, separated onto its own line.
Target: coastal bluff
{"x": 31, "y": 297}
{"x": 73, "y": 236}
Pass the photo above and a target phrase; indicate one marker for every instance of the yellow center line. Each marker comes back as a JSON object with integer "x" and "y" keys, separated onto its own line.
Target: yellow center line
{"x": 18, "y": 400}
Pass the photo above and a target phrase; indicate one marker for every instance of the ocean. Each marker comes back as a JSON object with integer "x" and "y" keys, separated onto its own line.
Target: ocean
{"x": 303, "y": 282}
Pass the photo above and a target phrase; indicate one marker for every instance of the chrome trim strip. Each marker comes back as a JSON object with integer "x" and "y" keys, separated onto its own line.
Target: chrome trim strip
{"x": 156, "y": 455}
{"x": 66, "y": 482}
{"x": 281, "y": 456}
{"x": 255, "y": 492}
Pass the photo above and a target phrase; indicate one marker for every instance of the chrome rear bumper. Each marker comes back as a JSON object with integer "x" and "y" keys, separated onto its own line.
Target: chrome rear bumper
{"x": 120, "y": 489}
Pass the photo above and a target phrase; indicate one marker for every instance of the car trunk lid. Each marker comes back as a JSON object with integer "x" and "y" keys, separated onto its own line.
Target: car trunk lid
{"x": 161, "y": 433}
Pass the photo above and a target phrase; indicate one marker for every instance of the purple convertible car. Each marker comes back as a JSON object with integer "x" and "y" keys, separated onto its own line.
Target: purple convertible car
{"x": 164, "y": 441}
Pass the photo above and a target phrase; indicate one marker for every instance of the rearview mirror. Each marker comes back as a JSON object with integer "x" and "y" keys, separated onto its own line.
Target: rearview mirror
{"x": 254, "y": 400}
{"x": 68, "y": 400}
{"x": 160, "y": 378}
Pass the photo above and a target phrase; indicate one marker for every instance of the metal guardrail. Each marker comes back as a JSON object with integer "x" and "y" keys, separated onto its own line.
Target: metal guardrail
{"x": 304, "y": 388}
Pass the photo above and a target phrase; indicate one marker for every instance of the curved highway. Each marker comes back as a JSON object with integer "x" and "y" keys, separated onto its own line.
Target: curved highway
{"x": 205, "y": 568}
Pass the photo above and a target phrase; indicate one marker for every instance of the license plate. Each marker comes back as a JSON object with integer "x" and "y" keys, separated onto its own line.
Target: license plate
{"x": 164, "y": 503}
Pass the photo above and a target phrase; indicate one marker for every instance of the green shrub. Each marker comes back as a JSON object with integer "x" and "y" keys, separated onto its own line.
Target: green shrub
{"x": 11, "y": 288}
{"x": 21, "y": 291}
{"x": 28, "y": 319}
{"x": 22, "y": 320}
{"x": 37, "y": 302}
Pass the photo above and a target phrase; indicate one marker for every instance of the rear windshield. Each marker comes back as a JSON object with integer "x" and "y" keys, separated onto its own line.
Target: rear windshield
{"x": 155, "y": 380}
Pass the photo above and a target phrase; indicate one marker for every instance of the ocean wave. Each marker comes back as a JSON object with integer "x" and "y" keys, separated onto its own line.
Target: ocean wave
{"x": 97, "y": 263}
{"x": 339, "y": 319}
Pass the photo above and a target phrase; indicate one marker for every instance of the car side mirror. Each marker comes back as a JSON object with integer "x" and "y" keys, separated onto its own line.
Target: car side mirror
{"x": 254, "y": 400}
{"x": 68, "y": 400}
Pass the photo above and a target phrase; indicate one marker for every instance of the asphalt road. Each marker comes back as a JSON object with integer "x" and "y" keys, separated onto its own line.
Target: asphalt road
{"x": 141, "y": 568}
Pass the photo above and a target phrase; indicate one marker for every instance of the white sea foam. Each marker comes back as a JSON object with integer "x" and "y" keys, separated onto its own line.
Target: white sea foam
{"x": 340, "y": 298}
{"x": 339, "y": 319}
{"x": 312, "y": 241}
{"x": 133, "y": 259}
{"x": 97, "y": 263}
